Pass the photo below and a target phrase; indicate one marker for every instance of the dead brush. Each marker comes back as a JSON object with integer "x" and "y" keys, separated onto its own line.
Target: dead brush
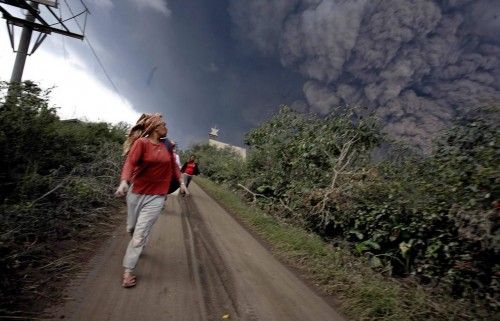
{"x": 42, "y": 240}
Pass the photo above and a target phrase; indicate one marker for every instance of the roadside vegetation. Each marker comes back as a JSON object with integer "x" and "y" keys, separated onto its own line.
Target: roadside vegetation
{"x": 393, "y": 233}
{"x": 56, "y": 187}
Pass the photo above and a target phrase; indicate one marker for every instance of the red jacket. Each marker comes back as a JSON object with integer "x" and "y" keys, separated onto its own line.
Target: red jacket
{"x": 190, "y": 168}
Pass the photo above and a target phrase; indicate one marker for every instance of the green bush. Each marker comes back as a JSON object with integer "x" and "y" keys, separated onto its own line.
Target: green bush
{"x": 221, "y": 165}
{"x": 294, "y": 157}
{"x": 432, "y": 216}
{"x": 56, "y": 182}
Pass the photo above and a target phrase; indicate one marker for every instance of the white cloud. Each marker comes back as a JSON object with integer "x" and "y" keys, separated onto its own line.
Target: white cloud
{"x": 158, "y": 5}
{"x": 78, "y": 93}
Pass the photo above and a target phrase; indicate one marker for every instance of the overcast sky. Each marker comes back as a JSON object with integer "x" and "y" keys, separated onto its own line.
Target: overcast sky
{"x": 416, "y": 64}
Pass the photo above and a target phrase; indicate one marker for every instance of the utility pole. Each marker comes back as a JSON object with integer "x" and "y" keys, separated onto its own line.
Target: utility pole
{"x": 38, "y": 13}
{"x": 22, "y": 51}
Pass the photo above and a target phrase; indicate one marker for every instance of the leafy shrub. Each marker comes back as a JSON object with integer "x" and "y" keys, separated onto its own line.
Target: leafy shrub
{"x": 294, "y": 157}
{"x": 433, "y": 216}
{"x": 56, "y": 182}
{"x": 221, "y": 165}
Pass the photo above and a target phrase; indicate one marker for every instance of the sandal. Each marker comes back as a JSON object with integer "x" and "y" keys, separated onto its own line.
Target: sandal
{"x": 128, "y": 280}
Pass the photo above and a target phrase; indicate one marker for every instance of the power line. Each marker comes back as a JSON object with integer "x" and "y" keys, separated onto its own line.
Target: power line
{"x": 74, "y": 17}
{"x": 95, "y": 54}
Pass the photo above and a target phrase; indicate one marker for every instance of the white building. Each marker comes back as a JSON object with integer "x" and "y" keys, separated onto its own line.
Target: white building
{"x": 212, "y": 141}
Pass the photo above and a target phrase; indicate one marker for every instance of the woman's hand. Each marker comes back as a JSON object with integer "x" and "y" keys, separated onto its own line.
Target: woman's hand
{"x": 184, "y": 189}
{"x": 122, "y": 189}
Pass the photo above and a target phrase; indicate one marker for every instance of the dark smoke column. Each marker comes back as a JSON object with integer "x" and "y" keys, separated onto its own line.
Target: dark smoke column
{"x": 416, "y": 64}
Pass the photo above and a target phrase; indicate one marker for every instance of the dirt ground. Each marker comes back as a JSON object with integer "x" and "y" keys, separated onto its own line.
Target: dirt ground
{"x": 200, "y": 264}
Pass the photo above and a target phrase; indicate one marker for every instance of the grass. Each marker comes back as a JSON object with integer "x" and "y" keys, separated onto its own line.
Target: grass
{"x": 363, "y": 293}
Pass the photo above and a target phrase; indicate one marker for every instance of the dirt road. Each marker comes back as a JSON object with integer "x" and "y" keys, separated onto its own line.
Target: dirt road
{"x": 199, "y": 264}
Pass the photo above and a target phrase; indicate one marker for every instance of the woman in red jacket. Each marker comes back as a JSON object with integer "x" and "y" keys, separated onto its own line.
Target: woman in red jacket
{"x": 148, "y": 169}
{"x": 188, "y": 170}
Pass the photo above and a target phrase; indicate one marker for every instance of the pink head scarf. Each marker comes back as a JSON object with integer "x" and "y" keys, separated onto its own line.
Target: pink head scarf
{"x": 146, "y": 124}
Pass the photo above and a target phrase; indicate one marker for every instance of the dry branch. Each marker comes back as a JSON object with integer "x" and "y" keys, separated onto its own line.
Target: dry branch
{"x": 253, "y": 194}
{"x": 341, "y": 163}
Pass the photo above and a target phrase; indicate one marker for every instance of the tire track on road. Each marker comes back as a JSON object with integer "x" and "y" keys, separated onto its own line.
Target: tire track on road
{"x": 209, "y": 271}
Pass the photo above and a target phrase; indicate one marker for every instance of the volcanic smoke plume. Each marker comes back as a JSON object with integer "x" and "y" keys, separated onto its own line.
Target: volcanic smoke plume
{"x": 416, "y": 63}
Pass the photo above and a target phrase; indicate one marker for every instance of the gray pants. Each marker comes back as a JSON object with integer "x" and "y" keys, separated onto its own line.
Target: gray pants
{"x": 187, "y": 179}
{"x": 142, "y": 213}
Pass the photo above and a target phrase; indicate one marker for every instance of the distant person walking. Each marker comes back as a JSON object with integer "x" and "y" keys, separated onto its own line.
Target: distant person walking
{"x": 189, "y": 169}
{"x": 148, "y": 170}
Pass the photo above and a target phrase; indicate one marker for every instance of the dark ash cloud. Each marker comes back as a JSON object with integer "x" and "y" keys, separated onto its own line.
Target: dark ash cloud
{"x": 416, "y": 64}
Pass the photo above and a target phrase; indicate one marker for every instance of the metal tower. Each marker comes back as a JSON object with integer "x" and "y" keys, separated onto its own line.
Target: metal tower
{"x": 39, "y": 16}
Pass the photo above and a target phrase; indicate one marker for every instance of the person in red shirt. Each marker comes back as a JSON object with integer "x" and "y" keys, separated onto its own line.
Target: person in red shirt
{"x": 189, "y": 169}
{"x": 148, "y": 170}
